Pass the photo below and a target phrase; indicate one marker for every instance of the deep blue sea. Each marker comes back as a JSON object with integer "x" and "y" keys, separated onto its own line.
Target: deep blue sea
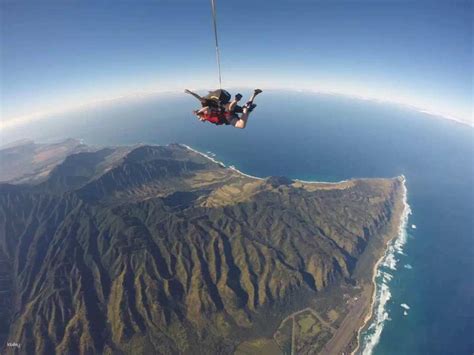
{"x": 330, "y": 138}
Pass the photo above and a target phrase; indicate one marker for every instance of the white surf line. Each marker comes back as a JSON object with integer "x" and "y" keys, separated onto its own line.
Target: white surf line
{"x": 204, "y": 155}
{"x": 382, "y": 293}
{"x": 323, "y": 182}
{"x": 337, "y": 182}
{"x": 231, "y": 167}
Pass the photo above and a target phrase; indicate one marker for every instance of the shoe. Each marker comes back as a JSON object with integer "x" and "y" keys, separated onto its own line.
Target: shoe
{"x": 238, "y": 109}
{"x": 257, "y": 91}
{"x": 238, "y": 97}
{"x": 250, "y": 106}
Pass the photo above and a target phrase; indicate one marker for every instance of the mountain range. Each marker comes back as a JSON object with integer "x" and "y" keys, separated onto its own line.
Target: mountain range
{"x": 159, "y": 249}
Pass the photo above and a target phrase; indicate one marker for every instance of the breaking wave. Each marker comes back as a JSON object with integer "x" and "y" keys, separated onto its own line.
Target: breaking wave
{"x": 212, "y": 157}
{"x": 371, "y": 336}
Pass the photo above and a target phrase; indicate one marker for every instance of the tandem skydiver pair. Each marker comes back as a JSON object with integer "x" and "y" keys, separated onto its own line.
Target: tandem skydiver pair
{"x": 219, "y": 109}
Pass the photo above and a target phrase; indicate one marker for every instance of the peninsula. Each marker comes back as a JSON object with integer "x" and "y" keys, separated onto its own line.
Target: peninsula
{"x": 160, "y": 249}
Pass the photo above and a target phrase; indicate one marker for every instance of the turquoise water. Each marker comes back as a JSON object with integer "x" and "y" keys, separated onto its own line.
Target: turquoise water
{"x": 323, "y": 137}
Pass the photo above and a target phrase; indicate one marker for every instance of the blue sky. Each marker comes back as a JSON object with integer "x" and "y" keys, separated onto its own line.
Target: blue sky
{"x": 56, "y": 54}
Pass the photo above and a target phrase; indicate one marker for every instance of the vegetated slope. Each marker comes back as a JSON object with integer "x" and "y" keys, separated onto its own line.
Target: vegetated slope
{"x": 164, "y": 251}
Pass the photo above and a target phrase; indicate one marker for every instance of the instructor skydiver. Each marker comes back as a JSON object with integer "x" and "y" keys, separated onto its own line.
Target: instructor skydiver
{"x": 218, "y": 109}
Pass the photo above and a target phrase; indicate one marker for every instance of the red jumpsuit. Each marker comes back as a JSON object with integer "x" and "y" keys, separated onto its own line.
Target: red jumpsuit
{"x": 217, "y": 118}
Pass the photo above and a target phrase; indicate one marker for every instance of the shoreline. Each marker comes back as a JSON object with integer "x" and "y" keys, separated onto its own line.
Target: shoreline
{"x": 326, "y": 182}
{"x": 399, "y": 237}
{"x": 357, "y": 328}
{"x": 231, "y": 167}
{"x": 393, "y": 243}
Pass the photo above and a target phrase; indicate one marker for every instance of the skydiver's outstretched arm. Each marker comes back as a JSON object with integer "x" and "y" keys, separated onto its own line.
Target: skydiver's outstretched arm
{"x": 201, "y": 112}
{"x": 231, "y": 105}
{"x": 200, "y": 98}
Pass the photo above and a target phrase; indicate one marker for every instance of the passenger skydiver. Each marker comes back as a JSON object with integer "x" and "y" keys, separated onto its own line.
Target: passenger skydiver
{"x": 218, "y": 109}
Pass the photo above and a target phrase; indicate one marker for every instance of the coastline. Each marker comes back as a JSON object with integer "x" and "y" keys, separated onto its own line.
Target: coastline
{"x": 393, "y": 241}
{"x": 370, "y": 313}
{"x": 370, "y": 319}
{"x": 323, "y": 182}
{"x": 231, "y": 167}
{"x": 203, "y": 154}
{"x": 347, "y": 338}
{"x": 378, "y": 256}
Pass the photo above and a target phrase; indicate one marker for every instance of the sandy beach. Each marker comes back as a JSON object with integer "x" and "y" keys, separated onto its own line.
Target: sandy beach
{"x": 401, "y": 221}
{"x": 346, "y": 338}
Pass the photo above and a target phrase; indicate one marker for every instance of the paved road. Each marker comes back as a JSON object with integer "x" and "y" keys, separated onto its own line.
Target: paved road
{"x": 351, "y": 323}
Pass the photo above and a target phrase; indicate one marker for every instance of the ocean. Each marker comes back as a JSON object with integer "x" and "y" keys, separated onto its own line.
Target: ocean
{"x": 425, "y": 288}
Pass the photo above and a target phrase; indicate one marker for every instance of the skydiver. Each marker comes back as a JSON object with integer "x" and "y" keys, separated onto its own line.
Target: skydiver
{"x": 218, "y": 110}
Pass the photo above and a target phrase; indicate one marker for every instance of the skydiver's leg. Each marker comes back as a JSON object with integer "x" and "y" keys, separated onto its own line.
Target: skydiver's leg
{"x": 254, "y": 95}
{"x": 241, "y": 122}
{"x": 248, "y": 107}
{"x": 231, "y": 105}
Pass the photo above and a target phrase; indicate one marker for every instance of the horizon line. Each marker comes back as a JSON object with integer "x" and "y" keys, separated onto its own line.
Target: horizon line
{"x": 44, "y": 115}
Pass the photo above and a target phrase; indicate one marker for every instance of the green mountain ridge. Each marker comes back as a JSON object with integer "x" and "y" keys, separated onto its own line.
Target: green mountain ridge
{"x": 155, "y": 249}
